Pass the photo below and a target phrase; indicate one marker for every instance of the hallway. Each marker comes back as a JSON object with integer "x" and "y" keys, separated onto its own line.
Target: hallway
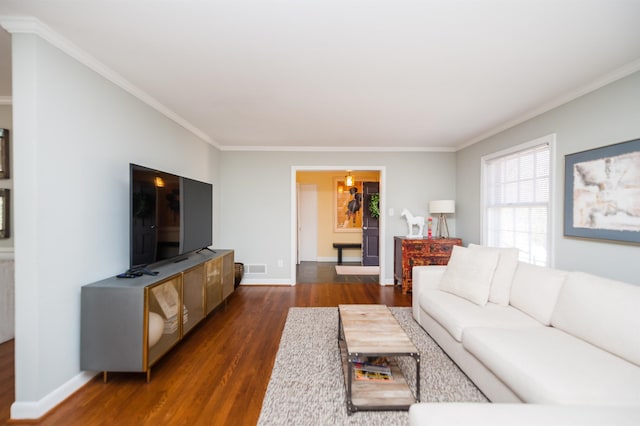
{"x": 325, "y": 272}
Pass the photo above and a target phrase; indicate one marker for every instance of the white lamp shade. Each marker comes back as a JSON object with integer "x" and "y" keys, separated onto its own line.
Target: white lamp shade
{"x": 442, "y": 206}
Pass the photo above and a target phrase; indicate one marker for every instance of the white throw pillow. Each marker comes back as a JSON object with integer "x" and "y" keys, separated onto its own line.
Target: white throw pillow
{"x": 503, "y": 276}
{"x": 469, "y": 274}
{"x": 535, "y": 290}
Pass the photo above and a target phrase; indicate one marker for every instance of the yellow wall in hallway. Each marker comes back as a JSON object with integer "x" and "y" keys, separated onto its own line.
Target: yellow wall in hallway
{"x": 324, "y": 181}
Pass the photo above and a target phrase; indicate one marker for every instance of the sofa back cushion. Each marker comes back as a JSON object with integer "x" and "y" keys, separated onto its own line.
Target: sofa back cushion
{"x": 469, "y": 274}
{"x": 503, "y": 275}
{"x": 602, "y": 312}
{"x": 535, "y": 290}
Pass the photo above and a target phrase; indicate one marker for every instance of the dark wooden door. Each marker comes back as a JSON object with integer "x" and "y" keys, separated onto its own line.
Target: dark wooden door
{"x": 370, "y": 227}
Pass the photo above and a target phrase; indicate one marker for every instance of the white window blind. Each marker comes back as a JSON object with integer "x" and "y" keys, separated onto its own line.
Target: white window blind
{"x": 516, "y": 202}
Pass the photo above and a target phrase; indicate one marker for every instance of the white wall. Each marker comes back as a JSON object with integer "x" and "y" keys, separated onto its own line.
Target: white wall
{"x": 606, "y": 116}
{"x": 256, "y": 199}
{"x": 75, "y": 134}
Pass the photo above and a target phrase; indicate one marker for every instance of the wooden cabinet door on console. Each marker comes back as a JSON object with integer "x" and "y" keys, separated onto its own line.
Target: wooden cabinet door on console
{"x": 213, "y": 283}
{"x": 410, "y": 252}
{"x": 163, "y": 299}
{"x": 193, "y": 296}
{"x": 228, "y": 276}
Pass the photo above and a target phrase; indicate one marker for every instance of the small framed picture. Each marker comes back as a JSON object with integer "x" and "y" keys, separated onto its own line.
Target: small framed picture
{"x": 4, "y": 213}
{"x": 348, "y": 206}
{"x": 4, "y": 154}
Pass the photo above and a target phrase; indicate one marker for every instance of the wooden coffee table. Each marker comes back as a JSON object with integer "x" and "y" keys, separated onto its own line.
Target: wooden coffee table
{"x": 372, "y": 330}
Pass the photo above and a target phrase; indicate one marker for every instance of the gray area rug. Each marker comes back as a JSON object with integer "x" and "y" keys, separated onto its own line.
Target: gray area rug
{"x": 307, "y": 383}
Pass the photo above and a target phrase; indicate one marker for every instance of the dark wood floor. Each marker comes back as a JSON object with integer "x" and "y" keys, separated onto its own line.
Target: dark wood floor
{"x": 217, "y": 375}
{"x": 325, "y": 272}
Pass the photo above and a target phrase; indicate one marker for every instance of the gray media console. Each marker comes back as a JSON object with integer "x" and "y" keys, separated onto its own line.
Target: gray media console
{"x": 127, "y": 324}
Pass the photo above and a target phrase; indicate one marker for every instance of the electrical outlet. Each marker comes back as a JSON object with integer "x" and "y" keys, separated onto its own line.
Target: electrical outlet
{"x": 280, "y": 263}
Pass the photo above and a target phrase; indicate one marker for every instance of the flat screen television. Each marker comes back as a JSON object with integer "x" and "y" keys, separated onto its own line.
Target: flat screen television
{"x": 170, "y": 216}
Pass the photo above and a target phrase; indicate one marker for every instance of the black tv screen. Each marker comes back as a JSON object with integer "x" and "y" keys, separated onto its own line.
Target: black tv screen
{"x": 171, "y": 216}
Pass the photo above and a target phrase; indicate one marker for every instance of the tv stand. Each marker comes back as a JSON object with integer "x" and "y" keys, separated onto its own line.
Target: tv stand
{"x": 128, "y": 325}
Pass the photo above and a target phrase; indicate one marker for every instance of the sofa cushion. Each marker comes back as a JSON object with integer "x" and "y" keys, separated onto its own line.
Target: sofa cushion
{"x": 469, "y": 274}
{"x": 455, "y": 314}
{"x": 503, "y": 275}
{"x": 472, "y": 413}
{"x": 547, "y": 365}
{"x": 601, "y": 311}
{"x": 535, "y": 290}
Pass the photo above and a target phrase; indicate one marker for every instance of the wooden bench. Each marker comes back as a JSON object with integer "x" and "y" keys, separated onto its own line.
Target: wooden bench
{"x": 341, "y": 246}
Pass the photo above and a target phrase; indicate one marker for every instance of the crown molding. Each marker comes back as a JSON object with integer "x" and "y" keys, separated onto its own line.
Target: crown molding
{"x": 604, "y": 80}
{"x": 335, "y": 149}
{"x": 31, "y": 25}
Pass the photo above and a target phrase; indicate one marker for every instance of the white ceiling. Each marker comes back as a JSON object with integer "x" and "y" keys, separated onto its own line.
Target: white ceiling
{"x": 365, "y": 74}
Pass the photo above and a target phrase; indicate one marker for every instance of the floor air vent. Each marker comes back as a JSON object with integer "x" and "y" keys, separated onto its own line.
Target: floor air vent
{"x": 255, "y": 269}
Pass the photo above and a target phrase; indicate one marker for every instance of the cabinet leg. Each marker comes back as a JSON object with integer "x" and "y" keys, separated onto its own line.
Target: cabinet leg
{"x": 104, "y": 377}
{"x": 148, "y": 375}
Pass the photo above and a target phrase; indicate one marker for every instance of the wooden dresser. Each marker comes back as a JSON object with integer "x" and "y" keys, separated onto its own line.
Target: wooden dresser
{"x": 410, "y": 252}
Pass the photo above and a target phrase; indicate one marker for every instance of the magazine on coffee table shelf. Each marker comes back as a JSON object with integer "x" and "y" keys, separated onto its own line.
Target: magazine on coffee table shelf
{"x": 372, "y": 368}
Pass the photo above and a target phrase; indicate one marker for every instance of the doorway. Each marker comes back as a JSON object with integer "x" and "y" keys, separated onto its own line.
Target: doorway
{"x": 330, "y": 227}
{"x": 307, "y": 223}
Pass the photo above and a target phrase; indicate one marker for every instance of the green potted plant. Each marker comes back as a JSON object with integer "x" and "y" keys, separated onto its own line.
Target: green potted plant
{"x": 374, "y": 205}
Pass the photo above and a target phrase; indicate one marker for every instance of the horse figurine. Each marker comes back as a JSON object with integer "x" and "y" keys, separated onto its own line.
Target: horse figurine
{"x": 413, "y": 221}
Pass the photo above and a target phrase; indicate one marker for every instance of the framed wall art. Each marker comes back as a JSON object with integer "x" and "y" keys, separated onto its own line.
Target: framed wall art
{"x": 348, "y": 206}
{"x": 4, "y": 213}
{"x": 4, "y": 154}
{"x": 602, "y": 193}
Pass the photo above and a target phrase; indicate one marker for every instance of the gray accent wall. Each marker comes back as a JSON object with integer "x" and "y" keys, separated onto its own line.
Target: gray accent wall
{"x": 256, "y": 199}
{"x": 75, "y": 134}
{"x": 606, "y": 116}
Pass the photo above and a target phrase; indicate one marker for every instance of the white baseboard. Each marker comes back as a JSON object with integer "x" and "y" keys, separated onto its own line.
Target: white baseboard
{"x": 36, "y": 409}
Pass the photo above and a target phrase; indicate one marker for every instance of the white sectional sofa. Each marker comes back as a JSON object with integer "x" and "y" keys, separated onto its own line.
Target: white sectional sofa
{"x": 524, "y": 333}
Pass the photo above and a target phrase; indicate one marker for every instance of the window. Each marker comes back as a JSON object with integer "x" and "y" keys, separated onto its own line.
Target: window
{"x": 516, "y": 199}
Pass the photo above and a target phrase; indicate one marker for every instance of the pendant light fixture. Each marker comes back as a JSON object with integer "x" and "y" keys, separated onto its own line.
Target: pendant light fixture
{"x": 348, "y": 180}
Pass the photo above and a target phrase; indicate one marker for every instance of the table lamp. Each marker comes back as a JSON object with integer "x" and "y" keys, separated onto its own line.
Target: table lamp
{"x": 442, "y": 207}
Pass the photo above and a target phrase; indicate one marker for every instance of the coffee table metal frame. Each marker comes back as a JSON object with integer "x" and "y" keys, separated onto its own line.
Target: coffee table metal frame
{"x": 351, "y": 357}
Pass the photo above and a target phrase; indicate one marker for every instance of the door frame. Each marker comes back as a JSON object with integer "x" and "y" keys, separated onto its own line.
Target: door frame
{"x": 294, "y": 212}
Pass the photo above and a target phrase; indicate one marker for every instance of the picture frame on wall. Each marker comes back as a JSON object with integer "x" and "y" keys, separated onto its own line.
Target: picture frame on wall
{"x": 348, "y": 206}
{"x": 602, "y": 193}
{"x": 4, "y": 213}
{"x": 4, "y": 154}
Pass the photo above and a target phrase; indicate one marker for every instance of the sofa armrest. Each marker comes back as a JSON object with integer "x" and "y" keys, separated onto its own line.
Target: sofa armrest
{"x": 424, "y": 278}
